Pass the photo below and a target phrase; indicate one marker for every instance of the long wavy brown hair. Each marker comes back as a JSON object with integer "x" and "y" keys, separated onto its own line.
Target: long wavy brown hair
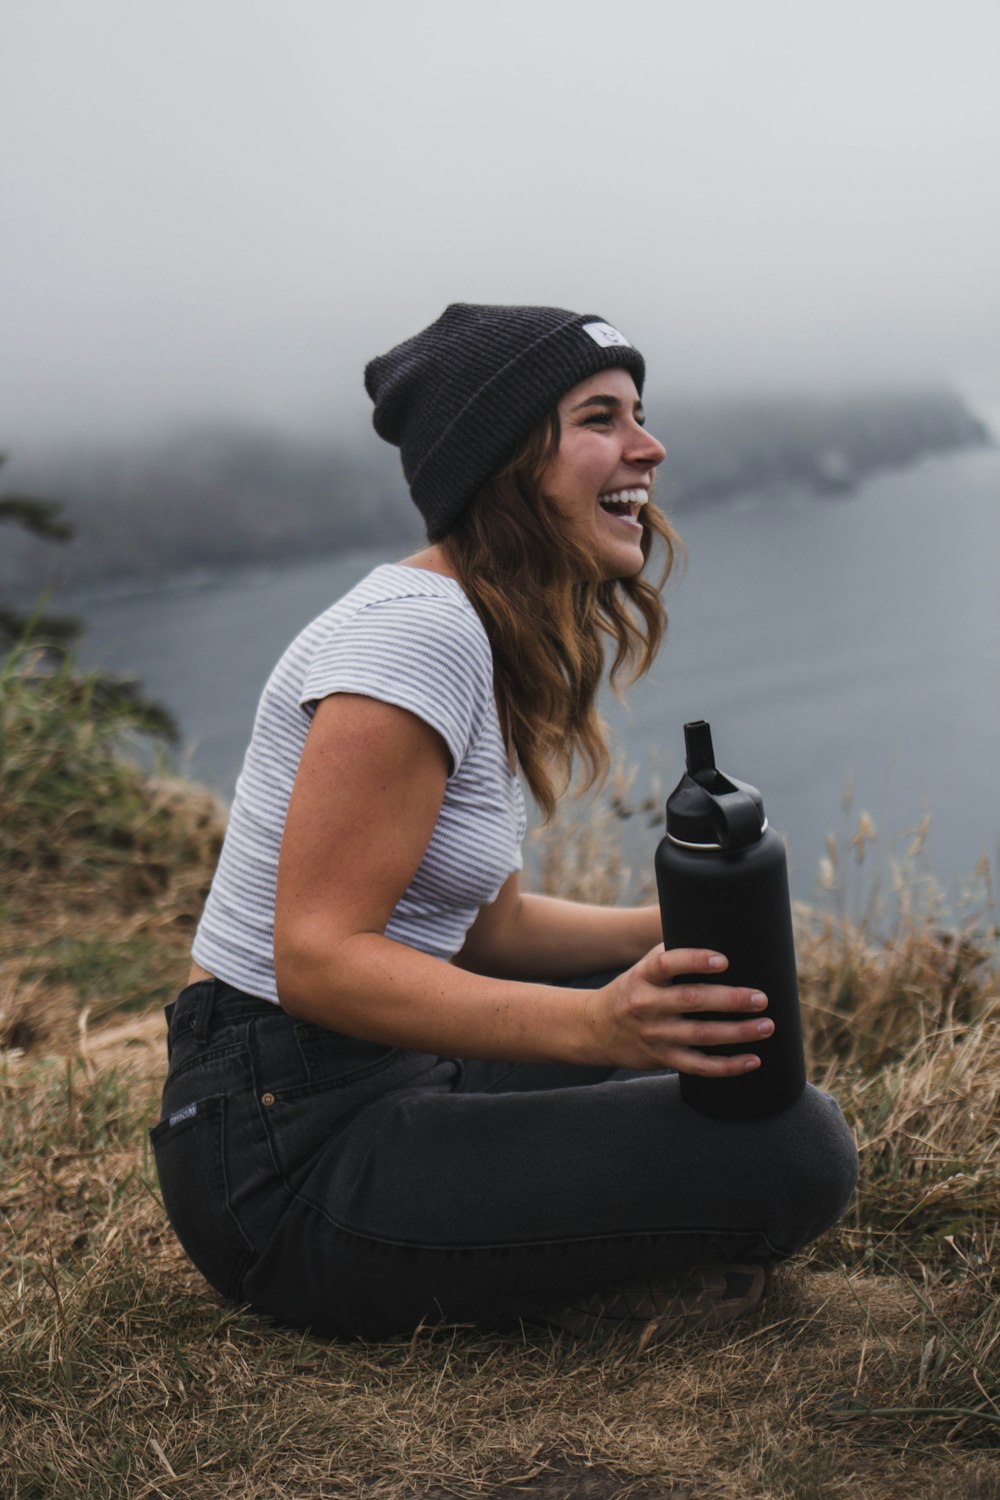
{"x": 548, "y": 614}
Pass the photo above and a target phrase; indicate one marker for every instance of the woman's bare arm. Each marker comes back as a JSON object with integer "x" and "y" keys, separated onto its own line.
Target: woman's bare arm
{"x": 525, "y": 935}
{"x": 366, "y": 798}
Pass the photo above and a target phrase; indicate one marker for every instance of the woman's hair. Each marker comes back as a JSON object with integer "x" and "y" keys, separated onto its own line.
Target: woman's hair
{"x": 547, "y": 612}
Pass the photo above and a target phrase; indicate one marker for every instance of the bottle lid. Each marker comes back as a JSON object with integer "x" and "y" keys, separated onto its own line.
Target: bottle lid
{"x": 707, "y": 810}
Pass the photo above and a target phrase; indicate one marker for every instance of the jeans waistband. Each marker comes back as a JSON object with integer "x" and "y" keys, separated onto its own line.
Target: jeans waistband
{"x": 212, "y": 1002}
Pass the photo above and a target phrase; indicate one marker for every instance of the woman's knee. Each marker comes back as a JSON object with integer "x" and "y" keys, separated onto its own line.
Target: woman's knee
{"x": 816, "y": 1170}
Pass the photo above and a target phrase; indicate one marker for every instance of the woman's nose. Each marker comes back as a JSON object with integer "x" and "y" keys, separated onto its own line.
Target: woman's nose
{"x": 645, "y": 449}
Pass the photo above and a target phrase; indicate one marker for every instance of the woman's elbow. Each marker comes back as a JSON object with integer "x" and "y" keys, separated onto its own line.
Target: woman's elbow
{"x": 307, "y": 979}
{"x": 293, "y": 992}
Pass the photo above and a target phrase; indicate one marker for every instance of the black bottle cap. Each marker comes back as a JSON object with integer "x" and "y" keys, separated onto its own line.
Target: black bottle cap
{"x": 707, "y": 808}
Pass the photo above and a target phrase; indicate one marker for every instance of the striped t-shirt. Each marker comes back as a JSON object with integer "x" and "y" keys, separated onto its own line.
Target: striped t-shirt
{"x": 410, "y": 638}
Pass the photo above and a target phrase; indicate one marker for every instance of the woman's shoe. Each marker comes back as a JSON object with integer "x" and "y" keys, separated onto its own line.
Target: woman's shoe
{"x": 706, "y": 1296}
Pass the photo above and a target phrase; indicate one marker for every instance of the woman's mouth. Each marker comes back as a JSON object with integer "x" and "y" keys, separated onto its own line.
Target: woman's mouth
{"x": 624, "y": 505}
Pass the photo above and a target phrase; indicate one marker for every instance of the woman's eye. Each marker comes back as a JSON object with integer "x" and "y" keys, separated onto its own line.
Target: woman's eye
{"x": 599, "y": 419}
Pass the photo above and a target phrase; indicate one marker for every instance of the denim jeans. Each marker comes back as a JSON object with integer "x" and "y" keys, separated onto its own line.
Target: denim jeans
{"x": 358, "y": 1190}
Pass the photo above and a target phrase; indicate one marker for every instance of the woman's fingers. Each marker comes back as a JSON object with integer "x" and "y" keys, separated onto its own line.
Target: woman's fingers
{"x": 677, "y": 1043}
{"x": 716, "y": 1033}
{"x": 662, "y": 967}
{"x": 686, "y": 1060}
{"x": 695, "y": 998}
{"x": 682, "y": 999}
{"x": 669, "y": 963}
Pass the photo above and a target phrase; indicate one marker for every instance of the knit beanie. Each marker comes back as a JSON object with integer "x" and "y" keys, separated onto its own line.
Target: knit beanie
{"x": 460, "y": 397}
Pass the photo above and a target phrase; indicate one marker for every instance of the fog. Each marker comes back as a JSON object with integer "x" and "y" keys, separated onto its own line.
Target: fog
{"x": 223, "y": 208}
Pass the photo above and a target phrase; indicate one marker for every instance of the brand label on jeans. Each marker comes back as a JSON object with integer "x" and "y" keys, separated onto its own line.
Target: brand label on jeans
{"x": 187, "y": 1113}
{"x": 606, "y": 336}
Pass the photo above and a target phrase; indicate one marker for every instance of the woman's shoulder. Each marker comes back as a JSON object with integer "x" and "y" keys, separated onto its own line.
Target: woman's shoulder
{"x": 402, "y": 581}
{"x": 396, "y": 595}
{"x": 403, "y": 618}
{"x": 406, "y": 636}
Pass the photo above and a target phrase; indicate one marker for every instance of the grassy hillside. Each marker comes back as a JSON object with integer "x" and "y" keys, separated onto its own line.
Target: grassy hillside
{"x": 872, "y": 1370}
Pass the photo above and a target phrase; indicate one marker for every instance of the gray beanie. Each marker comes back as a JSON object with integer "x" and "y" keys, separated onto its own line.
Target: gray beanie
{"x": 459, "y": 398}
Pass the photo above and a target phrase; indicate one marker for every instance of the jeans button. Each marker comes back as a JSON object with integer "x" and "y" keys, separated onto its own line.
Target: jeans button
{"x": 267, "y": 1099}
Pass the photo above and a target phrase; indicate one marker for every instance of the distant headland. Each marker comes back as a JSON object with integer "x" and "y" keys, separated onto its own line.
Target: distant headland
{"x": 219, "y": 495}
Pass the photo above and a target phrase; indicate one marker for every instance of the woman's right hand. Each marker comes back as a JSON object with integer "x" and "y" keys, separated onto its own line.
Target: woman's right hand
{"x": 643, "y": 1020}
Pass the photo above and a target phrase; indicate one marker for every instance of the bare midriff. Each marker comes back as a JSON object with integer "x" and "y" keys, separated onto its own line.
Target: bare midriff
{"x": 196, "y": 974}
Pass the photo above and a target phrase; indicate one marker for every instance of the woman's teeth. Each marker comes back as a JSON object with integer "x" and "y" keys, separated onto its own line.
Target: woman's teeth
{"x": 620, "y": 502}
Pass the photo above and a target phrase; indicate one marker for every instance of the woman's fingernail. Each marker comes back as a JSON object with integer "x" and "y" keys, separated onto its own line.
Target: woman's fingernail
{"x": 757, "y": 999}
{"x": 716, "y": 961}
{"x": 764, "y": 1028}
{"x": 749, "y": 1063}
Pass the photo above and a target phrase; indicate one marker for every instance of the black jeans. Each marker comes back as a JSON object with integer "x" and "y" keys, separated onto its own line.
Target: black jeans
{"x": 354, "y": 1189}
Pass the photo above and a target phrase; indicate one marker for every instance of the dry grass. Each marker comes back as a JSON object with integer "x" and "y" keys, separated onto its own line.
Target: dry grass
{"x": 871, "y": 1371}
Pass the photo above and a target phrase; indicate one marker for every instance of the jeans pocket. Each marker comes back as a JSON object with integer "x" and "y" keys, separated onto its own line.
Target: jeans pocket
{"x": 189, "y": 1147}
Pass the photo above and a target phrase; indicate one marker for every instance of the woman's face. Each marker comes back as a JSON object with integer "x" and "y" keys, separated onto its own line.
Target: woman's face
{"x": 600, "y": 477}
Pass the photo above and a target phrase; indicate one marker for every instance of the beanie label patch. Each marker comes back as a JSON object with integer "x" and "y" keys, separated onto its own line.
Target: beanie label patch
{"x": 606, "y": 336}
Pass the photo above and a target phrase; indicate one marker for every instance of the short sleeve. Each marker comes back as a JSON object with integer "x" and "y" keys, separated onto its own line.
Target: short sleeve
{"x": 422, "y": 653}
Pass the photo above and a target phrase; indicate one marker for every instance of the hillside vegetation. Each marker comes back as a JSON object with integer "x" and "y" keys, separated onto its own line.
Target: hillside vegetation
{"x": 872, "y": 1370}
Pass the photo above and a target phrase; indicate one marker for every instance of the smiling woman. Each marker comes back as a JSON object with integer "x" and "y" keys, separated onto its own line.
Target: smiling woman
{"x": 401, "y": 1089}
{"x": 602, "y": 470}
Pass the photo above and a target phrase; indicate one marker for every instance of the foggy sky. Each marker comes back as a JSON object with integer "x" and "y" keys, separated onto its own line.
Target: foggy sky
{"x": 227, "y": 206}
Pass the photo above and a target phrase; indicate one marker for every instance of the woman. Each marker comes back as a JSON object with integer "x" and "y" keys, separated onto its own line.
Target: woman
{"x": 401, "y": 1090}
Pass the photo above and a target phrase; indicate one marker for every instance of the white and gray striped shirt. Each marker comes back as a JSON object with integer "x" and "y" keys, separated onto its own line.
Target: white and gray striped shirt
{"x": 407, "y": 637}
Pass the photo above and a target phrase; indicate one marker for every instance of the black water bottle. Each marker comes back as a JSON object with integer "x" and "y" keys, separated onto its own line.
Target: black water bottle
{"x": 723, "y": 884}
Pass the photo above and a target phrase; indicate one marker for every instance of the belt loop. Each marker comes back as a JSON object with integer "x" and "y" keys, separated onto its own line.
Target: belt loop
{"x": 168, "y": 1011}
{"x": 203, "y": 1010}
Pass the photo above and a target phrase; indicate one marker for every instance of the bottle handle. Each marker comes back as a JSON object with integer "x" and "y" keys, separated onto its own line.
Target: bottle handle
{"x": 736, "y": 817}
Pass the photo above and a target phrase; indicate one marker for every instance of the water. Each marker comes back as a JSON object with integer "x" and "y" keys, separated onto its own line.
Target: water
{"x": 828, "y": 641}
